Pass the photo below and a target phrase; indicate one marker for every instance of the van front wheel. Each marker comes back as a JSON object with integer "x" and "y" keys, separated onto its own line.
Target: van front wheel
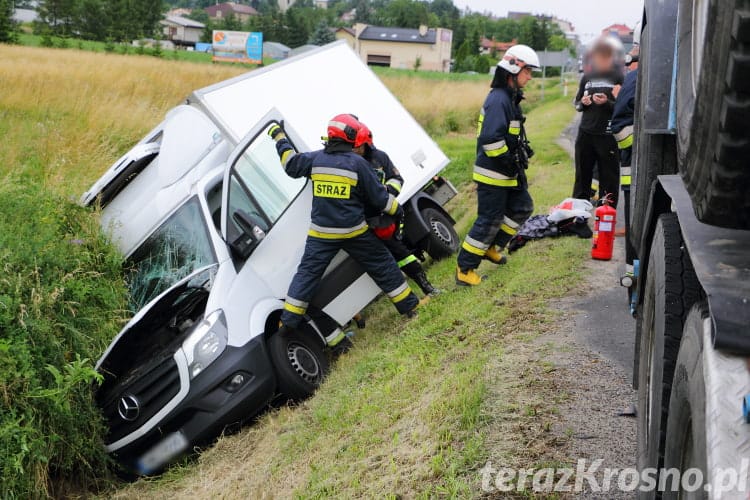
{"x": 442, "y": 241}
{"x": 299, "y": 362}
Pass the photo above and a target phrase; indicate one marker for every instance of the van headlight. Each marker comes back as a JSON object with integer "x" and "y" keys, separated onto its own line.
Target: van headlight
{"x": 206, "y": 342}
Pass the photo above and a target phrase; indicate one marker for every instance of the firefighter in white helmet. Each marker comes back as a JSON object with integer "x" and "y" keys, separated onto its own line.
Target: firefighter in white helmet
{"x": 502, "y": 157}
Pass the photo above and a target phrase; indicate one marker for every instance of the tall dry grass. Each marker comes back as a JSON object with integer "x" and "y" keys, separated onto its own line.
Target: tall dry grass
{"x": 66, "y": 115}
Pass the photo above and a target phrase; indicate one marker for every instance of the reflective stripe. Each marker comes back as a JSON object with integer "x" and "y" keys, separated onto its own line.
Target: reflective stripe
{"x": 286, "y": 156}
{"x": 335, "y": 233}
{"x": 514, "y": 127}
{"x": 392, "y": 206}
{"x": 487, "y": 176}
{"x": 625, "y": 143}
{"x": 510, "y": 223}
{"x": 480, "y": 122}
{"x": 406, "y": 260}
{"x": 507, "y": 229}
{"x": 294, "y": 309}
{"x": 595, "y": 184}
{"x": 495, "y": 149}
{"x": 333, "y": 178}
{"x": 399, "y": 293}
{"x": 335, "y": 337}
{"x": 341, "y": 172}
{"x": 626, "y": 171}
{"x": 625, "y": 180}
{"x": 295, "y": 302}
{"x": 622, "y": 134}
{"x": 475, "y": 246}
{"x": 395, "y": 184}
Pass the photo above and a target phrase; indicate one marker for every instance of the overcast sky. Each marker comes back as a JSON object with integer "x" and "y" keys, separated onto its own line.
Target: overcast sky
{"x": 588, "y": 16}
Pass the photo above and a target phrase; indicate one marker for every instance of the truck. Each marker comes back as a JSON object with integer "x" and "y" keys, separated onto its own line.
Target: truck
{"x": 212, "y": 231}
{"x": 691, "y": 233}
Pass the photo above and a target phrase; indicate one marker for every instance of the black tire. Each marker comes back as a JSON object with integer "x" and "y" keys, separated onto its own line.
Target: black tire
{"x": 443, "y": 239}
{"x": 299, "y": 362}
{"x": 685, "y": 446}
{"x": 671, "y": 289}
{"x": 653, "y": 154}
{"x": 713, "y": 109}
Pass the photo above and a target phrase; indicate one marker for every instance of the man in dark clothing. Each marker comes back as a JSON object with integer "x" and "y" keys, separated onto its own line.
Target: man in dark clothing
{"x": 389, "y": 176}
{"x": 595, "y": 145}
{"x": 343, "y": 185}
{"x": 622, "y": 128}
{"x": 502, "y": 157}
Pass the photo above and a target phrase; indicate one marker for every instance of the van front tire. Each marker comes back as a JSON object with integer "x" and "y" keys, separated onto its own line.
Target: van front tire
{"x": 299, "y": 362}
{"x": 442, "y": 241}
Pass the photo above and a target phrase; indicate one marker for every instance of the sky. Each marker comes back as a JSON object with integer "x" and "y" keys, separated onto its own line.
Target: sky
{"x": 588, "y": 16}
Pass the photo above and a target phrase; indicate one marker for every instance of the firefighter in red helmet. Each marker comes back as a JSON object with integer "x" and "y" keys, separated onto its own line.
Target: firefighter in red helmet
{"x": 387, "y": 227}
{"x": 343, "y": 185}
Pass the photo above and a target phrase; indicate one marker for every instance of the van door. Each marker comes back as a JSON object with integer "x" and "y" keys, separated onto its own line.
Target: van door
{"x": 265, "y": 219}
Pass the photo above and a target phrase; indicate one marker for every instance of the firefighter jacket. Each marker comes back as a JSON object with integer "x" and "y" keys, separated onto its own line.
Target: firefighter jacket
{"x": 622, "y": 125}
{"x": 386, "y": 171}
{"x": 344, "y": 184}
{"x": 498, "y": 132}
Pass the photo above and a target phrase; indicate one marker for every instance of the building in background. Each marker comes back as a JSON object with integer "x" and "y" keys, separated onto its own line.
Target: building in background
{"x": 222, "y": 10}
{"x": 182, "y": 31}
{"x": 179, "y": 12}
{"x": 425, "y": 48}
{"x": 492, "y": 47}
{"x": 619, "y": 30}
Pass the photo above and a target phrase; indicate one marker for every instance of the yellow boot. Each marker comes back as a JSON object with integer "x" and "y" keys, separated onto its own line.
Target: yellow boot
{"x": 493, "y": 255}
{"x": 468, "y": 278}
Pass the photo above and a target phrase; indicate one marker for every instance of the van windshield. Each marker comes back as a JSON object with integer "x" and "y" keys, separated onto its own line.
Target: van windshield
{"x": 176, "y": 249}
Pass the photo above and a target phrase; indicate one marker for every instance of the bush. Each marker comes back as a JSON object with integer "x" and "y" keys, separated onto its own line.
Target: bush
{"x": 62, "y": 298}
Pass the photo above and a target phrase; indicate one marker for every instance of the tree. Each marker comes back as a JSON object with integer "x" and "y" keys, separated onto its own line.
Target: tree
{"x": 7, "y": 25}
{"x": 297, "y": 31}
{"x": 364, "y": 13}
{"x": 322, "y": 34}
{"x": 231, "y": 23}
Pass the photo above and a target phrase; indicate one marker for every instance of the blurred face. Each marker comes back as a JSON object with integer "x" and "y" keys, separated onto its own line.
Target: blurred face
{"x": 602, "y": 60}
{"x": 524, "y": 77}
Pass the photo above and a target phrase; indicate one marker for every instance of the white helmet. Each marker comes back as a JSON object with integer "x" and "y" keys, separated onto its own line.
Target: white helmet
{"x": 517, "y": 58}
{"x": 637, "y": 34}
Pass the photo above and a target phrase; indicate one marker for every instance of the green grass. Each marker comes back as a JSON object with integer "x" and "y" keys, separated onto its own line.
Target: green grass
{"x": 417, "y": 408}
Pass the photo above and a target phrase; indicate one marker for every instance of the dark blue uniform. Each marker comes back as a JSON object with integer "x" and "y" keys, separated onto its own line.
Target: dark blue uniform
{"x": 504, "y": 202}
{"x": 622, "y": 128}
{"x": 344, "y": 184}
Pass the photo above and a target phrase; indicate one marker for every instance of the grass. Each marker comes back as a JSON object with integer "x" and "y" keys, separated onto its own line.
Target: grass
{"x": 416, "y": 408}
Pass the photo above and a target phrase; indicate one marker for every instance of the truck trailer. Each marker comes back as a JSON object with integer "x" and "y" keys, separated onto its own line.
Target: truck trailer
{"x": 691, "y": 232}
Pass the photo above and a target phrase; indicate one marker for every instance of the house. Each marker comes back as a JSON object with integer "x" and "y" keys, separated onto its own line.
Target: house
{"x": 179, "y": 11}
{"x": 181, "y": 30}
{"x": 405, "y": 48}
{"x": 621, "y": 31}
{"x": 489, "y": 47}
{"x": 222, "y": 10}
{"x": 349, "y": 16}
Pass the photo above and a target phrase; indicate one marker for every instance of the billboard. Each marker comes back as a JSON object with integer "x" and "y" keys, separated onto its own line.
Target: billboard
{"x": 238, "y": 46}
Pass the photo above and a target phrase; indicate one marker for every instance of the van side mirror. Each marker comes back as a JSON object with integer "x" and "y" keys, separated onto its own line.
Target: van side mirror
{"x": 251, "y": 233}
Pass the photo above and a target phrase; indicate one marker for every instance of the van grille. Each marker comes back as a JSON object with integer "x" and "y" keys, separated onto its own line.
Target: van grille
{"x": 141, "y": 398}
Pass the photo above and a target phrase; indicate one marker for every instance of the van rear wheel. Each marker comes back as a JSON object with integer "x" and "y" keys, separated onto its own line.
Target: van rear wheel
{"x": 442, "y": 241}
{"x": 299, "y": 362}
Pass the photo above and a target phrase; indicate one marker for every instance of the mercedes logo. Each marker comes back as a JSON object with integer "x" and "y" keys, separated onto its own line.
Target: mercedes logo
{"x": 128, "y": 408}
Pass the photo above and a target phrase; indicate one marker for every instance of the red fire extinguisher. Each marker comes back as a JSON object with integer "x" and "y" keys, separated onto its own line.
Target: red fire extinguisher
{"x": 603, "y": 243}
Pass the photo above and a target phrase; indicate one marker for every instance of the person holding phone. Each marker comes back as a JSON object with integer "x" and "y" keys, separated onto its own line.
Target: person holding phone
{"x": 595, "y": 144}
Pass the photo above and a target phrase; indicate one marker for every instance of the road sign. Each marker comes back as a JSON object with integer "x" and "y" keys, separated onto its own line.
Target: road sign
{"x": 238, "y": 46}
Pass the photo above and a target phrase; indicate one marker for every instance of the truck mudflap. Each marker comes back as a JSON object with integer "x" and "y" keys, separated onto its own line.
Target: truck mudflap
{"x": 721, "y": 258}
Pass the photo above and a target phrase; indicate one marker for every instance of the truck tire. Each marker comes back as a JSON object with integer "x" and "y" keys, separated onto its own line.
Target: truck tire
{"x": 299, "y": 362}
{"x": 442, "y": 240}
{"x": 704, "y": 425}
{"x": 713, "y": 108}
{"x": 671, "y": 289}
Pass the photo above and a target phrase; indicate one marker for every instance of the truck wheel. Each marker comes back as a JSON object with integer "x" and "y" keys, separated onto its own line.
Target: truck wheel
{"x": 713, "y": 105}
{"x": 705, "y": 425}
{"x": 442, "y": 241}
{"x": 685, "y": 445}
{"x": 299, "y": 362}
{"x": 670, "y": 290}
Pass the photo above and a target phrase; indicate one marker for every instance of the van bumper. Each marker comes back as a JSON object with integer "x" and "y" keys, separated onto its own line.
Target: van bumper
{"x": 212, "y": 403}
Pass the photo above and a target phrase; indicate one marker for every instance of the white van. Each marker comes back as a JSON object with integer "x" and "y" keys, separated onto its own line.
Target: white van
{"x": 213, "y": 230}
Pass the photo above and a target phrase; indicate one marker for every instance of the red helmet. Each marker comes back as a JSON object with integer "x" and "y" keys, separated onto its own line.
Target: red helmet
{"x": 364, "y": 136}
{"x": 344, "y": 127}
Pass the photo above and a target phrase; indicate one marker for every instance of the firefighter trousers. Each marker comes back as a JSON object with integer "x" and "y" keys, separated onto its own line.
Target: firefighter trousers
{"x": 500, "y": 212}
{"x": 600, "y": 151}
{"x": 368, "y": 251}
{"x": 405, "y": 259}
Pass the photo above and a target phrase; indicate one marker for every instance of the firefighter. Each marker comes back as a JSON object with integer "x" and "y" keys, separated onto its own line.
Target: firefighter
{"x": 622, "y": 129}
{"x": 595, "y": 146}
{"x": 343, "y": 184}
{"x": 502, "y": 157}
{"x": 386, "y": 227}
